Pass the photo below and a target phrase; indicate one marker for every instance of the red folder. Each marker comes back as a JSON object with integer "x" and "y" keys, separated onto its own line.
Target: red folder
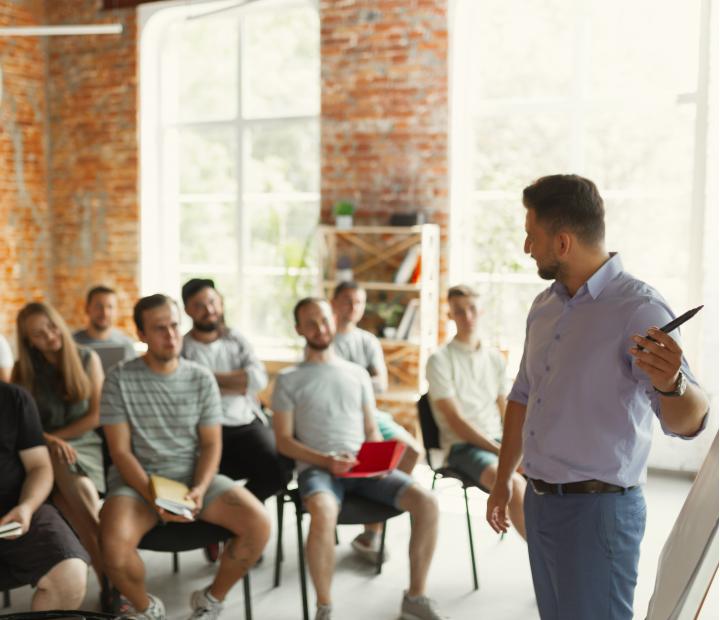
{"x": 376, "y": 458}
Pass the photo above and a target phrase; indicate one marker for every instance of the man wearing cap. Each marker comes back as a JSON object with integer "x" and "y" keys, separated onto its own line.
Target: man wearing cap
{"x": 248, "y": 442}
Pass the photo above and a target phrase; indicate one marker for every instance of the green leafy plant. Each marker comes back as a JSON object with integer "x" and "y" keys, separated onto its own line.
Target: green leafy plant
{"x": 344, "y": 207}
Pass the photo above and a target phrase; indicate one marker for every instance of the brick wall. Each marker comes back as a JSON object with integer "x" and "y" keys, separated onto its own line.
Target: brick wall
{"x": 24, "y": 234}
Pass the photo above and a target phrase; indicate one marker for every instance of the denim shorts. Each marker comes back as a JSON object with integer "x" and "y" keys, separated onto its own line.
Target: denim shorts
{"x": 470, "y": 460}
{"x": 386, "y": 490}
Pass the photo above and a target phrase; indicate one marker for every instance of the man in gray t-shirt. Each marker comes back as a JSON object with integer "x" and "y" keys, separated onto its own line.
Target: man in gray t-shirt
{"x": 100, "y": 308}
{"x": 161, "y": 415}
{"x": 323, "y": 411}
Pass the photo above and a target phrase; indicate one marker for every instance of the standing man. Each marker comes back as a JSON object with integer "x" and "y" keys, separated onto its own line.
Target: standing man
{"x": 248, "y": 442}
{"x": 161, "y": 415}
{"x": 467, "y": 394}
{"x": 46, "y": 553}
{"x": 361, "y": 347}
{"x": 101, "y": 310}
{"x": 594, "y": 371}
{"x": 323, "y": 412}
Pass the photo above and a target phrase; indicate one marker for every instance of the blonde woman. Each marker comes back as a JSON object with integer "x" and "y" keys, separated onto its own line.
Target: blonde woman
{"x": 66, "y": 381}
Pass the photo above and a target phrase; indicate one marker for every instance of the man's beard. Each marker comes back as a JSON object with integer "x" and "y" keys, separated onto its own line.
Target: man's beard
{"x": 550, "y": 272}
{"x": 317, "y": 346}
{"x": 209, "y": 326}
{"x": 98, "y": 327}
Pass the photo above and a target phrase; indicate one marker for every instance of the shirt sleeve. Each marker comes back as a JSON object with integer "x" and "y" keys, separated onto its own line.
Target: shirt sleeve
{"x": 655, "y": 312}
{"x": 521, "y": 387}
{"x": 377, "y": 363}
{"x": 210, "y": 403}
{"x": 30, "y": 434}
{"x": 439, "y": 377}
{"x": 112, "y": 405}
{"x": 6, "y": 356}
{"x": 282, "y": 399}
{"x": 257, "y": 378}
{"x": 368, "y": 394}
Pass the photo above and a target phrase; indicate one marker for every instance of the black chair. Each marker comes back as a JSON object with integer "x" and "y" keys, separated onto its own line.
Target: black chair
{"x": 177, "y": 537}
{"x": 431, "y": 441}
{"x": 355, "y": 510}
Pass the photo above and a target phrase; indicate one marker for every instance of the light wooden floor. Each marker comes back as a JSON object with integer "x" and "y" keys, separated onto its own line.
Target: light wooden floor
{"x": 505, "y": 583}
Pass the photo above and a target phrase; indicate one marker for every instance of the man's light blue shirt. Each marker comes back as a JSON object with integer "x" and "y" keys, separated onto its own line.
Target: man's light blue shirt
{"x": 589, "y": 407}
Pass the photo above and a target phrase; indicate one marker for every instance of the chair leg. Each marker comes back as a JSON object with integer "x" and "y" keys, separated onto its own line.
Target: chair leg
{"x": 301, "y": 561}
{"x": 176, "y": 562}
{"x": 6, "y": 598}
{"x": 472, "y": 544}
{"x": 280, "y": 500}
{"x": 432, "y": 486}
{"x": 337, "y": 540}
{"x": 248, "y": 600}
{"x": 378, "y": 568}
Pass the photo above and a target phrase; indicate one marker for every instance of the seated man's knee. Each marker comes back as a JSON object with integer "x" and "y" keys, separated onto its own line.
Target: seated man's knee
{"x": 323, "y": 509}
{"x": 419, "y": 501}
{"x": 66, "y": 583}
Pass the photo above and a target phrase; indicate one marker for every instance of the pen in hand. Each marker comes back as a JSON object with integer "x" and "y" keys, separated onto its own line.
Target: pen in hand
{"x": 674, "y": 324}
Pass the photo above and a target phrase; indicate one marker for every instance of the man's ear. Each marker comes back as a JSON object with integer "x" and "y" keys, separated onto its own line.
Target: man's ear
{"x": 563, "y": 244}
{"x": 141, "y": 336}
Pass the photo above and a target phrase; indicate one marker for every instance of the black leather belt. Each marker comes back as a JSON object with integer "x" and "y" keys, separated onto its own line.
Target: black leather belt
{"x": 583, "y": 486}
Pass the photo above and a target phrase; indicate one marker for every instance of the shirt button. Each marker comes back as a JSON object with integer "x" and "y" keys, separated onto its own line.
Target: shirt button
{"x": 547, "y": 368}
{"x": 532, "y": 433}
{"x": 528, "y": 464}
{"x": 557, "y": 336}
{"x": 538, "y": 401}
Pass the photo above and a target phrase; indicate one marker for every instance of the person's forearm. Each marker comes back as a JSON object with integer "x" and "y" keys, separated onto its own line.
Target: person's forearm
{"x": 469, "y": 434}
{"x": 36, "y": 487}
{"x": 233, "y": 382}
{"x": 133, "y": 474}
{"x": 293, "y": 449}
{"x": 207, "y": 464}
{"x": 257, "y": 378}
{"x": 511, "y": 449}
{"x": 79, "y": 427}
{"x": 683, "y": 415}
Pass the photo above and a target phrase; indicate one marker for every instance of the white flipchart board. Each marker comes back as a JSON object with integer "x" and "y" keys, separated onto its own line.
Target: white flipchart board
{"x": 689, "y": 558}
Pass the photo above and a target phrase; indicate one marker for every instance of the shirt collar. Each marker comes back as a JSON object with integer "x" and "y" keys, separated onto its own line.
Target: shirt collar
{"x": 463, "y": 346}
{"x": 597, "y": 282}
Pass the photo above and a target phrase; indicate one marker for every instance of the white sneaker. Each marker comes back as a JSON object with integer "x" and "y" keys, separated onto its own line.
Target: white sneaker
{"x": 155, "y": 611}
{"x": 324, "y": 612}
{"x": 419, "y": 608}
{"x": 367, "y": 546}
{"x": 203, "y": 607}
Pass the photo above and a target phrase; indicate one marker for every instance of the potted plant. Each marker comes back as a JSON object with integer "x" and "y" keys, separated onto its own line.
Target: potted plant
{"x": 344, "y": 210}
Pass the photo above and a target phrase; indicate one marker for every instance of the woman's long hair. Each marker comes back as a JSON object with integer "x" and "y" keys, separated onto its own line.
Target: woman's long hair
{"x": 76, "y": 381}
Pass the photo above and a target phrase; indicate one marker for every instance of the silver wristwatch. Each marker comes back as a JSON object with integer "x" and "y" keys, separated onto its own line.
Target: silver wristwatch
{"x": 680, "y": 386}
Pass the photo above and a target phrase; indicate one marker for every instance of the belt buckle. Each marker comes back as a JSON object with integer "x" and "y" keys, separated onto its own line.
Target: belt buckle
{"x": 535, "y": 489}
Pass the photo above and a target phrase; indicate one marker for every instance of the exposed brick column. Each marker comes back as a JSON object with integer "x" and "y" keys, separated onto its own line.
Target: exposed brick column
{"x": 93, "y": 159}
{"x": 385, "y": 110}
{"x": 24, "y": 234}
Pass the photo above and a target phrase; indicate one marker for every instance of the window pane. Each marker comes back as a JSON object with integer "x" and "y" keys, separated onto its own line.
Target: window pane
{"x": 281, "y": 63}
{"x": 207, "y": 160}
{"x": 282, "y": 234}
{"x": 282, "y": 157}
{"x": 207, "y": 234}
{"x": 199, "y": 70}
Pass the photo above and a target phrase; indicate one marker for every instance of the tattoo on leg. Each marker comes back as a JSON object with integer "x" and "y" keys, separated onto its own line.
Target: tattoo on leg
{"x": 238, "y": 551}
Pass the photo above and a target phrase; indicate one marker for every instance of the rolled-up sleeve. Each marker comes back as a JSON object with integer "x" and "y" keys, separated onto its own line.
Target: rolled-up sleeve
{"x": 520, "y": 391}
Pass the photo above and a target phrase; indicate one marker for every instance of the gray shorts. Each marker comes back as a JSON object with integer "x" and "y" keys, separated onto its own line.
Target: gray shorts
{"x": 386, "y": 490}
{"x": 117, "y": 486}
{"x": 470, "y": 460}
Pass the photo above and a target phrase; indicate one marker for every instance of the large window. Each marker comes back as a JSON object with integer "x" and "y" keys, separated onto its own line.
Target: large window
{"x": 615, "y": 91}
{"x": 230, "y": 103}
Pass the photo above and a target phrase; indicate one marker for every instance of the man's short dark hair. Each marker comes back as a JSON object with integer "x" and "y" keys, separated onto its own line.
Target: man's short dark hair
{"x": 461, "y": 290}
{"x": 193, "y": 286}
{"x": 346, "y": 286}
{"x": 98, "y": 290}
{"x": 148, "y": 303}
{"x": 305, "y": 301}
{"x": 568, "y": 201}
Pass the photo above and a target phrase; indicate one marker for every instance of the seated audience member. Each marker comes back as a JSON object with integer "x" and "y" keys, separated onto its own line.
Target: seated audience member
{"x": 248, "y": 442}
{"x": 361, "y": 347}
{"x": 323, "y": 411}
{"x": 467, "y": 394}
{"x": 66, "y": 381}
{"x": 161, "y": 415}
{"x": 101, "y": 308}
{"x": 46, "y": 553}
{"x": 6, "y": 359}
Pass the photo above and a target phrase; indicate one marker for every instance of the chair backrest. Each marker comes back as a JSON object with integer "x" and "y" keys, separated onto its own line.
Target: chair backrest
{"x": 428, "y": 427}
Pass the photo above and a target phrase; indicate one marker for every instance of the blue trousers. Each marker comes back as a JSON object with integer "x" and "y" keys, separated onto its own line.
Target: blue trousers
{"x": 584, "y": 551}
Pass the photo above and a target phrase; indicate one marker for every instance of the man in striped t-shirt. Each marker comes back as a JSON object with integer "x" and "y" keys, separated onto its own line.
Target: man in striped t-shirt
{"x": 161, "y": 415}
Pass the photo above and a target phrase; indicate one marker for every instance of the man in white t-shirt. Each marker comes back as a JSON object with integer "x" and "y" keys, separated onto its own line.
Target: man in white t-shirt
{"x": 467, "y": 394}
{"x": 361, "y": 347}
{"x": 248, "y": 441}
{"x": 323, "y": 411}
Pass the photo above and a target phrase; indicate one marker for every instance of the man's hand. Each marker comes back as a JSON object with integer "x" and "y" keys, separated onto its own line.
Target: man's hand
{"x": 338, "y": 464}
{"x": 22, "y": 514}
{"x": 497, "y": 506}
{"x": 61, "y": 449}
{"x": 166, "y": 516}
{"x": 660, "y": 358}
{"x": 196, "y": 495}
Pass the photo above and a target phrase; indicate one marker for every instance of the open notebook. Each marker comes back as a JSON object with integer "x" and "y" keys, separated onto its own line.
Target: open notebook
{"x": 170, "y": 495}
{"x": 10, "y": 529}
{"x": 376, "y": 458}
